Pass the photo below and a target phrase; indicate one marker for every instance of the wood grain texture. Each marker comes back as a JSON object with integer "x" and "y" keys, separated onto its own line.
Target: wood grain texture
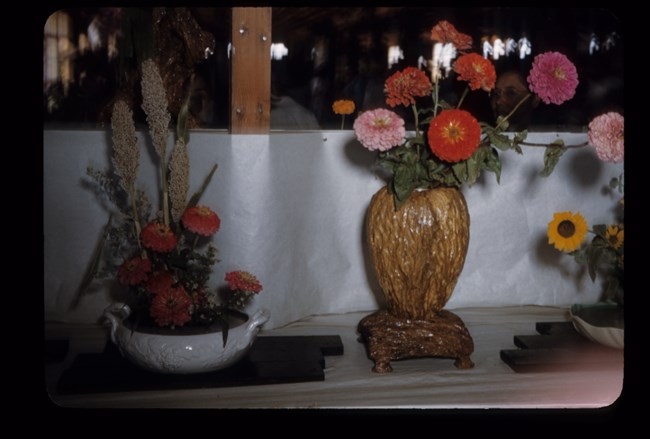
{"x": 418, "y": 251}
{"x": 250, "y": 71}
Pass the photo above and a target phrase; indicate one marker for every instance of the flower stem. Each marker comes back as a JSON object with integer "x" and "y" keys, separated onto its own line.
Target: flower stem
{"x": 417, "y": 123}
{"x": 163, "y": 171}
{"x": 513, "y": 110}
{"x": 136, "y": 220}
{"x": 551, "y": 145}
{"x": 342, "y": 120}
{"x": 435, "y": 98}
{"x": 462, "y": 98}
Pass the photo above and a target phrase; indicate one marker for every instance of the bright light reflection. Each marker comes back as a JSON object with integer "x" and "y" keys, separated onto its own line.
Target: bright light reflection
{"x": 394, "y": 55}
{"x": 278, "y": 51}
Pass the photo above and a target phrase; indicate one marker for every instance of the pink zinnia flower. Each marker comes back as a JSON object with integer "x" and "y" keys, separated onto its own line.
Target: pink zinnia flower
{"x": 379, "y": 129}
{"x": 201, "y": 220}
{"x": 553, "y": 78}
{"x": 606, "y": 135}
{"x": 171, "y": 307}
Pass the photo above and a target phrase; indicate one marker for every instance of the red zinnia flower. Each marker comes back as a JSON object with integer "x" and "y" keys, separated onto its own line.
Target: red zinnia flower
{"x": 134, "y": 271}
{"x": 454, "y": 135}
{"x": 201, "y": 220}
{"x": 158, "y": 237}
{"x": 476, "y": 70}
{"x": 553, "y": 78}
{"x": 171, "y": 307}
{"x": 403, "y": 86}
{"x": 243, "y": 280}
{"x": 445, "y": 32}
{"x": 159, "y": 282}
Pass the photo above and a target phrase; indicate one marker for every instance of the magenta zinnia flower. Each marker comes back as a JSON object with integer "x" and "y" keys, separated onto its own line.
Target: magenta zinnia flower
{"x": 553, "y": 78}
{"x": 606, "y": 135}
{"x": 379, "y": 129}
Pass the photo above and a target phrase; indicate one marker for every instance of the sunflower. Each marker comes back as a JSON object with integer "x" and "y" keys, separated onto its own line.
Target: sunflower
{"x": 614, "y": 236}
{"x": 567, "y": 231}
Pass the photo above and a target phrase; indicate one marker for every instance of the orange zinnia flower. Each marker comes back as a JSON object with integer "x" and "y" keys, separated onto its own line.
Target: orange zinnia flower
{"x": 454, "y": 135}
{"x": 243, "y": 281}
{"x": 445, "y": 32}
{"x": 343, "y": 106}
{"x": 134, "y": 271}
{"x": 171, "y": 307}
{"x": 402, "y": 87}
{"x": 476, "y": 70}
{"x": 158, "y": 237}
{"x": 201, "y": 220}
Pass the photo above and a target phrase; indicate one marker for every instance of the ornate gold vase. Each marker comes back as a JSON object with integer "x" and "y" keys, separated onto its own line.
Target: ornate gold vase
{"x": 417, "y": 252}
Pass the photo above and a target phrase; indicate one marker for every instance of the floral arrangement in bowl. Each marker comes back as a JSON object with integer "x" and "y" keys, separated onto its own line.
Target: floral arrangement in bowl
{"x": 450, "y": 146}
{"x": 568, "y": 231}
{"x": 164, "y": 259}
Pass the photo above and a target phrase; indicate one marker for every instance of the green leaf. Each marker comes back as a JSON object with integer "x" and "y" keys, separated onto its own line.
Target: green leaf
{"x": 502, "y": 123}
{"x": 600, "y": 229}
{"x": 460, "y": 170}
{"x": 474, "y": 164}
{"x": 492, "y": 163}
{"x": 521, "y": 136}
{"x": 93, "y": 264}
{"x": 403, "y": 182}
{"x": 551, "y": 158}
{"x": 224, "y": 328}
{"x": 197, "y": 195}
{"x": 182, "y": 125}
{"x": 445, "y": 106}
{"x": 593, "y": 256}
{"x": 499, "y": 140}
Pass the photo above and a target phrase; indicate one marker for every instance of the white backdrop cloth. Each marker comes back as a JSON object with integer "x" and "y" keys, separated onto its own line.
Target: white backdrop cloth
{"x": 293, "y": 209}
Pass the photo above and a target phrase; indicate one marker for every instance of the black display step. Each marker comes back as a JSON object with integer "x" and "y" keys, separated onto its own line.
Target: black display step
{"x": 271, "y": 360}
{"x": 559, "y": 348}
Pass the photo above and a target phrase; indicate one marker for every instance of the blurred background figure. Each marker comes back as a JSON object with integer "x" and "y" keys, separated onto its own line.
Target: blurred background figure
{"x": 509, "y": 90}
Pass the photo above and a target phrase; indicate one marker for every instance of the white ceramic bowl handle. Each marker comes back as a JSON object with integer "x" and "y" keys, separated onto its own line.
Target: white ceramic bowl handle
{"x": 115, "y": 313}
{"x": 258, "y": 319}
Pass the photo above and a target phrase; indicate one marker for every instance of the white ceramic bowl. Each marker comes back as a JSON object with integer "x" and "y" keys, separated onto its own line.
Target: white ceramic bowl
{"x": 178, "y": 353}
{"x": 599, "y": 323}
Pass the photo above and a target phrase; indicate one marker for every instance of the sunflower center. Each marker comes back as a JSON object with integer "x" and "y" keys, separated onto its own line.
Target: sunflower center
{"x": 613, "y": 240}
{"x": 566, "y": 229}
{"x": 559, "y": 73}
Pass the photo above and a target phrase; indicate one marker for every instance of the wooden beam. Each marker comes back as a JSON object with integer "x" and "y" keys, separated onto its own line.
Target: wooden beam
{"x": 250, "y": 71}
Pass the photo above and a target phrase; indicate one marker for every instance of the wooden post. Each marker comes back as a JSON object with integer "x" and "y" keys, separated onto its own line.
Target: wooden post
{"x": 250, "y": 71}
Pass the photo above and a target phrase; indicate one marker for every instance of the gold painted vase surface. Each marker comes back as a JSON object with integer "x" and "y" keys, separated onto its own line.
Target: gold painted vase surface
{"x": 418, "y": 251}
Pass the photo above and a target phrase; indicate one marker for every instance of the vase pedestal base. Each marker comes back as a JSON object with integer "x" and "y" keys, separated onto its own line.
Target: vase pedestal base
{"x": 389, "y": 338}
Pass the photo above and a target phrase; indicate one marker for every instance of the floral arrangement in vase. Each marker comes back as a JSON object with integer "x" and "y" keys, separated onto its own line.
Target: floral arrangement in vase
{"x": 568, "y": 231}
{"x": 163, "y": 258}
{"x": 418, "y": 224}
{"x": 450, "y": 146}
